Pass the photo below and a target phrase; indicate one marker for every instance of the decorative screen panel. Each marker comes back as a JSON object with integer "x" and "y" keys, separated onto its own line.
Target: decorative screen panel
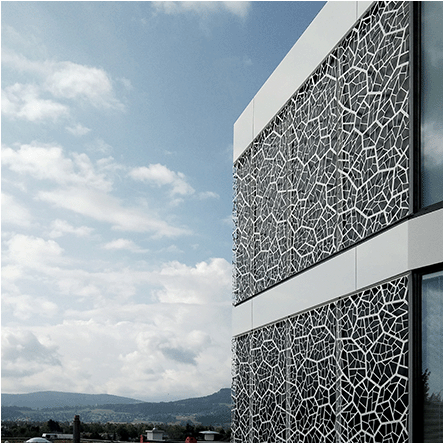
{"x": 241, "y": 389}
{"x": 270, "y": 207}
{"x": 312, "y": 376}
{"x": 243, "y": 235}
{"x": 312, "y": 159}
{"x": 373, "y": 102}
{"x": 268, "y": 394}
{"x": 373, "y": 365}
{"x": 332, "y": 167}
{"x": 337, "y": 373}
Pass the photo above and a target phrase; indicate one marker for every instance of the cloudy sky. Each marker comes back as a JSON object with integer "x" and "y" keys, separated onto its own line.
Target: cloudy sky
{"x": 117, "y": 123}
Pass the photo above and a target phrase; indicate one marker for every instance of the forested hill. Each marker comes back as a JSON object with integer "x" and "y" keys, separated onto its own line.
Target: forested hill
{"x": 56, "y": 399}
{"x": 213, "y": 409}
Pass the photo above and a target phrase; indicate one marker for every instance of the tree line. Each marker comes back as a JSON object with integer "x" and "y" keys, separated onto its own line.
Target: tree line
{"x": 126, "y": 432}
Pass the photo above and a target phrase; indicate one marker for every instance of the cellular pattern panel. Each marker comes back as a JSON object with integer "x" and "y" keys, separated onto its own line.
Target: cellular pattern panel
{"x": 332, "y": 167}
{"x": 337, "y": 373}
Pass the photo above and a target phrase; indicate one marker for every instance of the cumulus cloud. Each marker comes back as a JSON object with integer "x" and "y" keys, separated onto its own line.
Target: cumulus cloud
{"x": 106, "y": 208}
{"x": 205, "y": 283}
{"x": 99, "y": 146}
{"x": 126, "y": 83}
{"x": 53, "y": 84}
{"x": 157, "y": 346}
{"x": 208, "y": 195}
{"x": 78, "y": 130}
{"x": 34, "y": 259}
{"x": 124, "y": 244}
{"x": 73, "y": 81}
{"x": 60, "y": 227}
{"x": 24, "y": 354}
{"x": 160, "y": 175}
{"x": 84, "y": 187}
{"x": 13, "y": 212}
{"x": 239, "y": 9}
{"x": 48, "y": 162}
{"x": 23, "y": 307}
{"x": 20, "y": 63}
{"x": 228, "y": 221}
{"x": 24, "y": 102}
{"x": 26, "y": 250}
{"x": 166, "y": 343}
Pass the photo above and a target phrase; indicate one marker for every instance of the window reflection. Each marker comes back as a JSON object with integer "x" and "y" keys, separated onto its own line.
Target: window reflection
{"x": 432, "y": 356}
{"x": 431, "y": 102}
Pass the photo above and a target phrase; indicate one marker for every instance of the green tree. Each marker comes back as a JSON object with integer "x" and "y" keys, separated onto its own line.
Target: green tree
{"x": 53, "y": 426}
{"x": 122, "y": 432}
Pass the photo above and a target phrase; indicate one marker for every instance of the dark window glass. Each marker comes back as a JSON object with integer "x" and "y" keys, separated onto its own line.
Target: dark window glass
{"x": 431, "y": 102}
{"x": 432, "y": 356}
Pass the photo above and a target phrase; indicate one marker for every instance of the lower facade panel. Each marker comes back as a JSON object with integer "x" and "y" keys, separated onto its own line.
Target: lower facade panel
{"x": 336, "y": 373}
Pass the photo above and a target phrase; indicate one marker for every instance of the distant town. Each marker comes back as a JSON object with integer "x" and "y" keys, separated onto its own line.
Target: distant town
{"x": 118, "y": 419}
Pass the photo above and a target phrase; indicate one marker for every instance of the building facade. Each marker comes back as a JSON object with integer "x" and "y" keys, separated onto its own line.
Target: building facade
{"x": 337, "y": 293}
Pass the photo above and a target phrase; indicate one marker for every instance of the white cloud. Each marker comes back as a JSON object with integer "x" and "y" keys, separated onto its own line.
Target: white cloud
{"x": 13, "y": 212}
{"x": 173, "y": 249}
{"x": 48, "y": 162}
{"x": 24, "y": 307}
{"x": 24, "y": 102}
{"x": 208, "y": 195}
{"x": 32, "y": 251}
{"x": 204, "y": 8}
{"x": 203, "y": 284}
{"x": 228, "y": 220}
{"x": 78, "y": 130}
{"x": 62, "y": 81}
{"x": 155, "y": 346}
{"x": 85, "y": 187}
{"x": 25, "y": 43}
{"x": 136, "y": 359}
{"x": 34, "y": 260}
{"x": 126, "y": 83}
{"x": 60, "y": 228}
{"x": 20, "y": 63}
{"x": 124, "y": 244}
{"x": 73, "y": 81}
{"x": 99, "y": 146}
{"x": 241, "y": 9}
{"x": 103, "y": 207}
{"x": 24, "y": 354}
{"x": 159, "y": 175}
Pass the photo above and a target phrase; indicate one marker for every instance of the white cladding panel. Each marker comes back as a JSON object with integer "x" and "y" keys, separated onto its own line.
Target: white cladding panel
{"x": 316, "y": 286}
{"x": 412, "y": 244}
{"x": 382, "y": 256}
{"x": 425, "y": 240}
{"x": 243, "y": 135}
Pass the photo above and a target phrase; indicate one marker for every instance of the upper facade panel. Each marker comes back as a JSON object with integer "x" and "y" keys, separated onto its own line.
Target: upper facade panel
{"x": 327, "y": 29}
{"x": 332, "y": 166}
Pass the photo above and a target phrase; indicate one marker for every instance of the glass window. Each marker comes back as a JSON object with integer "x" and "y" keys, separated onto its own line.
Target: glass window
{"x": 432, "y": 356}
{"x": 431, "y": 130}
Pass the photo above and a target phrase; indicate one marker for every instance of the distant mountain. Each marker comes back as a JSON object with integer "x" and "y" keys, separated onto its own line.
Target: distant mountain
{"x": 214, "y": 409}
{"x": 56, "y": 399}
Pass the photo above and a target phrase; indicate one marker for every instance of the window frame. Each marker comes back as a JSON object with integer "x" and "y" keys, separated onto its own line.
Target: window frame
{"x": 415, "y": 428}
{"x": 415, "y": 101}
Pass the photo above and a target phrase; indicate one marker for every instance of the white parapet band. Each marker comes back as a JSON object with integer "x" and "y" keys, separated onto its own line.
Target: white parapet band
{"x": 414, "y": 243}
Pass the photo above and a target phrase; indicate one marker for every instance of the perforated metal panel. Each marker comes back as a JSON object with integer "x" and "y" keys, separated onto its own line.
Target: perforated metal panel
{"x": 332, "y": 166}
{"x": 337, "y": 373}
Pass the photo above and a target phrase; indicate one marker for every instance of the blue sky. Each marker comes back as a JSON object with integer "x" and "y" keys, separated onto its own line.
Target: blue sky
{"x": 117, "y": 122}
